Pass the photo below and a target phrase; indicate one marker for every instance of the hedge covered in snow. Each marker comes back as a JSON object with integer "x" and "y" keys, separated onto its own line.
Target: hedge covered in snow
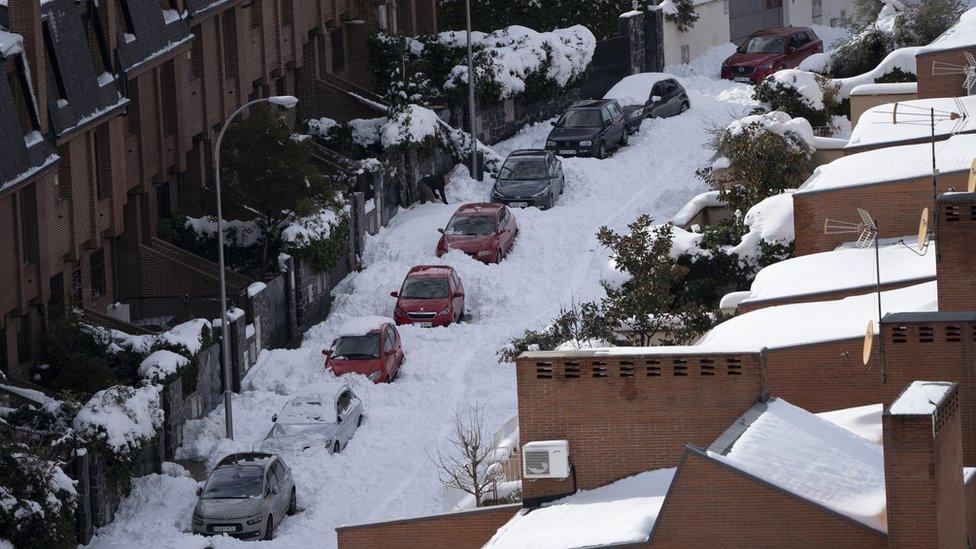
{"x": 800, "y": 94}
{"x": 37, "y": 500}
{"x": 120, "y": 420}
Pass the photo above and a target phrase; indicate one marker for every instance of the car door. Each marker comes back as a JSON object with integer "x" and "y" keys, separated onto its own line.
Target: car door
{"x": 619, "y": 121}
{"x": 284, "y": 490}
{"x": 458, "y": 302}
{"x": 271, "y": 493}
{"x": 389, "y": 357}
{"x": 346, "y": 424}
{"x": 653, "y": 108}
{"x": 508, "y": 232}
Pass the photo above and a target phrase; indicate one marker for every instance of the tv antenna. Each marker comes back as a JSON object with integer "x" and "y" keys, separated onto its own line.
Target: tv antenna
{"x": 941, "y": 68}
{"x": 867, "y": 231}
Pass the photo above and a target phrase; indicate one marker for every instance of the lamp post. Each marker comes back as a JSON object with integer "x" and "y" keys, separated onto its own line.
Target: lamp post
{"x": 286, "y": 101}
{"x": 474, "y": 136}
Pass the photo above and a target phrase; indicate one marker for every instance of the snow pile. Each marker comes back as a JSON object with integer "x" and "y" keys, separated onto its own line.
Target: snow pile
{"x": 636, "y": 88}
{"x": 517, "y": 52}
{"x": 910, "y": 120}
{"x": 256, "y": 288}
{"x": 814, "y": 459}
{"x": 804, "y": 82}
{"x": 770, "y": 221}
{"x": 302, "y": 230}
{"x": 818, "y": 63}
{"x": 123, "y": 418}
{"x": 960, "y": 35}
{"x": 161, "y": 364}
{"x": 920, "y": 398}
{"x": 10, "y": 44}
{"x": 816, "y": 322}
{"x": 619, "y": 513}
{"x": 709, "y": 199}
{"x": 413, "y": 124}
{"x": 863, "y": 421}
{"x": 777, "y": 122}
{"x": 841, "y": 269}
{"x": 321, "y": 126}
{"x": 886, "y": 88}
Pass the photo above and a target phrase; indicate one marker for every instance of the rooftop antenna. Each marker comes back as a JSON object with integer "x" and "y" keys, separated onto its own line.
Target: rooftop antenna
{"x": 941, "y": 68}
{"x": 867, "y": 231}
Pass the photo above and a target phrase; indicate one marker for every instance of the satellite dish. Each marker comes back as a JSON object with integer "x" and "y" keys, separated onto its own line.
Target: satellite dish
{"x": 923, "y": 229}
{"x": 972, "y": 177}
{"x": 868, "y": 342}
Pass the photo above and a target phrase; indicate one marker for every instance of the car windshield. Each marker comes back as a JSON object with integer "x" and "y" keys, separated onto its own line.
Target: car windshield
{"x": 471, "y": 225}
{"x": 424, "y": 288}
{"x": 367, "y": 346}
{"x": 580, "y": 118}
{"x": 763, "y": 44}
{"x": 523, "y": 168}
{"x": 237, "y": 482}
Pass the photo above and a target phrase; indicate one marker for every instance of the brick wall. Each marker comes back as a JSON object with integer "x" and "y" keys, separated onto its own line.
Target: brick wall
{"x": 469, "y": 529}
{"x": 896, "y": 206}
{"x": 712, "y": 505}
{"x": 955, "y": 262}
{"x": 626, "y": 414}
{"x": 923, "y": 478}
{"x": 949, "y": 85}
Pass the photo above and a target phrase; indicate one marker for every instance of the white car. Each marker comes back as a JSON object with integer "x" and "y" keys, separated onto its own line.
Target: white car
{"x": 328, "y": 417}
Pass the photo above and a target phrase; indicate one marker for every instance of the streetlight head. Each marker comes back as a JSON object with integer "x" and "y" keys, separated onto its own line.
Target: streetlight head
{"x": 286, "y": 101}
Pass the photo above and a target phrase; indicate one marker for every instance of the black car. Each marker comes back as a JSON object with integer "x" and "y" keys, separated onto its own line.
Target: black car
{"x": 649, "y": 95}
{"x": 589, "y": 128}
{"x": 668, "y": 98}
{"x": 529, "y": 177}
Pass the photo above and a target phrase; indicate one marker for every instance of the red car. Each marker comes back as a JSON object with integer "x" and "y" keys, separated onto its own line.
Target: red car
{"x": 368, "y": 345}
{"x": 431, "y": 295}
{"x": 486, "y": 232}
{"x": 770, "y": 50}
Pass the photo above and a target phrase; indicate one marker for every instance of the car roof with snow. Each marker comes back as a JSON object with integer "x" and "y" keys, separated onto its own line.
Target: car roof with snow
{"x": 780, "y": 31}
{"x": 479, "y": 208}
{"x": 362, "y": 325}
{"x": 430, "y": 271}
{"x": 315, "y": 407}
{"x": 529, "y": 152}
{"x": 634, "y": 89}
{"x": 246, "y": 458}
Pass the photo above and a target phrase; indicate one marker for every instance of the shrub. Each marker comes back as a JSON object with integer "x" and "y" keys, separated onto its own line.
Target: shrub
{"x": 37, "y": 500}
{"x": 896, "y": 75}
{"x": 799, "y": 94}
{"x": 78, "y": 360}
{"x": 581, "y": 322}
{"x": 922, "y": 22}
{"x": 683, "y": 15}
{"x": 861, "y": 54}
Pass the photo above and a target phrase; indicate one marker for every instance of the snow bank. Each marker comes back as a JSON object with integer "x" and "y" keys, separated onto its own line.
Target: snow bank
{"x": 817, "y": 63}
{"x": 920, "y": 398}
{"x": 910, "y": 120}
{"x": 691, "y": 208}
{"x": 892, "y": 164}
{"x": 619, "y": 513}
{"x": 814, "y": 459}
{"x": 362, "y": 325}
{"x": 189, "y": 334}
{"x": 960, "y": 35}
{"x": 770, "y": 221}
{"x": 636, "y": 88}
{"x": 122, "y": 417}
{"x": 161, "y": 364}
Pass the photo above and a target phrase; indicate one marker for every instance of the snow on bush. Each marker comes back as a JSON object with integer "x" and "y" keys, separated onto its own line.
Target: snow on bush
{"x": 411, "y": 125}
{"x": 161, "y": 365}
{"x": 800, "y": 94}
{"x": 37, "y": 500}
{"x": 122, "y": 419}
{"x": 777, "y": 122}
{"x": 304, "y": 230}
{"x": 770, "y": 222}
{"x": 189, "y": 336}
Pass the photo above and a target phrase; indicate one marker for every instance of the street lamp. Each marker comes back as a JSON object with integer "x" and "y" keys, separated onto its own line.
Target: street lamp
{"x": 474, "y": 136}
{"x": 288, "y": 102}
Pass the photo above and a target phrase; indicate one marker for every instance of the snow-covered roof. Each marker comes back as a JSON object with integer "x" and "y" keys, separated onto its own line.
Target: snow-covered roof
{"x": 362, "y": 325}
{"x": 913, "y": 121}
{"x": 619, "y": 513}
{"x": 920, "y": 398}
{"x": 960, "y": 35}
{"x": 816, "y": 322}
{"x": 863, "y": 421}
{"x": 10, "y": 44}
{"x": 315, "y": 407}
{"x": 885, "y": 88}
{"x": 842, "y": 269}
{"x": 813, "y": 459}
{"x": 892, "y": 164}
{"x": 636, "y": 88}
{"x": 902, "y": 58}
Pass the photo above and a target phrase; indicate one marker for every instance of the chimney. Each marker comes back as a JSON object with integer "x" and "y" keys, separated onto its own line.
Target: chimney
{"x": 923, "y": 467}
{"x": 955, "y": 264}
{"x": 24, "y": 18}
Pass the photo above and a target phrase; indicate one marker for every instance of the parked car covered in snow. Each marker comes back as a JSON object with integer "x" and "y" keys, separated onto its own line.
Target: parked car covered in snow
{"x": 529, "y": 177}
{"x": 486, "y": 232}
{"x": 769, "y": 50}
{"x": 431, "y": 295}
{"x": 649, "y": 95}
{"x": 589, "y": 128}
{"x": 246, "y": 496}
{"x": 327, "y": 418}
{"x": 368, "y": 345}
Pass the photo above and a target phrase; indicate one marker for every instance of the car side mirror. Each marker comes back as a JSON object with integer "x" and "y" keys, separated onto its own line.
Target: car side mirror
{"x": 440, "y": 230}
{"x": 458, "y": 294}
{"x": 274, "y": 418}
{"x": 274, "y": 490}
{"x": 199, "y": 491}
{"x": 327, "y": 352}
{"x": 655, "y": 98}
{"x": 394, "y": 294}
{"x": 391, "y": 352}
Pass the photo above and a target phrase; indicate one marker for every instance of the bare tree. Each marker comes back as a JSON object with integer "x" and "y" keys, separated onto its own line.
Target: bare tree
{"x": 468, "y": 465}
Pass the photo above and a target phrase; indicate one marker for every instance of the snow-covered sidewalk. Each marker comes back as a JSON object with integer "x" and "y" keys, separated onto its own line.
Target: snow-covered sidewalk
{"x": 384, "y": 473}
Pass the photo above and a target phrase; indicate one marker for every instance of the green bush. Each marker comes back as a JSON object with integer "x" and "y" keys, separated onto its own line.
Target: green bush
{"x": 323, "y": 254}
{"x": 922, "y": 22}
{"x": 861, "y": 54}
{"x": 78, "y": 361}
{"x": 896, "y": 75}
{"x": 783, "y": 97}
{"x": 36, "y": 509}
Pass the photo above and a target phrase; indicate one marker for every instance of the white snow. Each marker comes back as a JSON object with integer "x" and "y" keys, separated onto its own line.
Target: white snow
{"x": 841, "y": 269}
{"x": 804, "y": 82}
{"x": 885, "y": 88}
{"x": 122, "y": 417}
{"x": 414, "y": 124}
{"x": 618, "y": 513}
{"x": 161, "y": 364}
{"x": 910, "y": 120}
{"x": 920, "y": 398}
{"x": 777, "y": 122}
{"x": 960, "y": 35}
{"x": 255, "y": 288}
{"x": 817, "y": 63}
{"x": 816, "y": 322}
{"x": 362, "y": 325}
{"x": 302, "y": 230}
{"x": 636, "y": 88}
{"x": 242, "y": 233}
{"x": 188, "y": 334}
{"x": 29, "y": 394}
{"x": 709, "y": 199}
{"x": 10, "y": 44}
{"x": 902, "y": 58}
{"x": 892, "y": 164}
{"x": 815, "y": 460}
{"x": 863, "y": 421}
{"x": 769, "y": 221}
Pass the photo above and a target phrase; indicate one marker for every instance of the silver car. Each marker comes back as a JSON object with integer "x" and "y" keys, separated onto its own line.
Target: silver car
{"x": 246, "y": 497}
{"x": 529, "y": 177}
{"x": 327, "y": 418}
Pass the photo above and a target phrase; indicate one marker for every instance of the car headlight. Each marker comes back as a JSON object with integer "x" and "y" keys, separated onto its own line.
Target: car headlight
{"x": 766, "y": 66}
{"x": 197, "y": 519}
{"x": 255, "y": 520}
{"x": 550, "y": 143}
{"x": 494, "y": 192}
{"x": 540, "y": 194}
{"x": 444, "y": 311}
{"x": 484, "y": 253}
{"x": 398, "y": 311}
{"x": 374, "y": 376}
{"x": 586, "y": 143}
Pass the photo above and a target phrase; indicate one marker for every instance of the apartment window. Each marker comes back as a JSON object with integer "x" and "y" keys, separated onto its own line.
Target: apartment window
{"x": 23, "y": 340}
{"x": 257, "y": 13}
{"x": 163, "y": 208}
{"x": 685, "y": 54}
{"x": 96, "y": 264}
{"x": 338, "y": 52}
{"x": 229, "y": 39}
{"x": 196, "y": 52}
{"x": 55, "y": 307}
{"x": 28, "y": 220}
{"x": 99, "y": 160}
{"x": 170, "y": 109}
{"x": 74, "y": 295}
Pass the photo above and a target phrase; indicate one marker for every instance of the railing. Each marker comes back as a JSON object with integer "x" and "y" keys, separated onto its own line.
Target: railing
{"x": 203, "y": 266}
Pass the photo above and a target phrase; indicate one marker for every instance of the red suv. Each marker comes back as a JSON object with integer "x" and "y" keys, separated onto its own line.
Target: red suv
{"x": 431, "y": 295}
{"x": 770, "y": 50}
{"x": 368, "y": 345}
{"x": 486, "y": 232}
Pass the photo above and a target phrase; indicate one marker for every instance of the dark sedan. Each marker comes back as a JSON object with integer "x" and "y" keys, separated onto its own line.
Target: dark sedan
{"x": 589, "y": 128}
{"x": 529, "y": 178}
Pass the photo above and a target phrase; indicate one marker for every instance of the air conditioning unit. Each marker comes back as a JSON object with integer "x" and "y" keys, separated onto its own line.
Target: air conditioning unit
{"x": 545, "y": 459}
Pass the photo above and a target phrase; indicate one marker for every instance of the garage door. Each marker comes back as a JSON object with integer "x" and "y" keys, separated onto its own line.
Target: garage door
{"x": 748, "y": 16}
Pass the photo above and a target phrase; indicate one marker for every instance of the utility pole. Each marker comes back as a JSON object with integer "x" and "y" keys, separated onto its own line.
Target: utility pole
{"x": 471, "y": 113}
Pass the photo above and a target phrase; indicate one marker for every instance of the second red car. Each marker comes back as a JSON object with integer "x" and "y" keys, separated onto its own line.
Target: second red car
{"x": 486, "y": 232}
{"x": 431, "y": 295}
{"x": 368, "y": 345}
{"x": 769, "y": 50}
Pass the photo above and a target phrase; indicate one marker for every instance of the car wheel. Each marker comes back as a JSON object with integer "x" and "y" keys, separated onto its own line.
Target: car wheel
{"x": 335, "y": 448}
{"x": 293, "y": 503}
{"x": 461, "y": 316}
{"x": 269, "y": 528}
{"x": 601, "y": 152}
{"x": 359, "y": 423}
{"x": 625, "y": 140}
{"x": 684, "y": 107}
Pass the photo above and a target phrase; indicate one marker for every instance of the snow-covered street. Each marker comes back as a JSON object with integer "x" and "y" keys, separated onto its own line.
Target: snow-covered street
{"x": 385, "y": 472}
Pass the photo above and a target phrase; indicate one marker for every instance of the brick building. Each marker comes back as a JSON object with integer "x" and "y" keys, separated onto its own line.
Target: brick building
{"x": 941, "y": 66}
{"x": 109, "y": 112}
{"x": 910, "y": 122}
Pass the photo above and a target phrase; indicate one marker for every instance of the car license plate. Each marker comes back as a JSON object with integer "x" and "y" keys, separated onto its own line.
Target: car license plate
{"x": 742, "y": 79}
{"x": 224, "y": 528}
{"x": 518, "y": 204}
{"x": 566, "y": 151}
{"x": 425, "y": 324}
